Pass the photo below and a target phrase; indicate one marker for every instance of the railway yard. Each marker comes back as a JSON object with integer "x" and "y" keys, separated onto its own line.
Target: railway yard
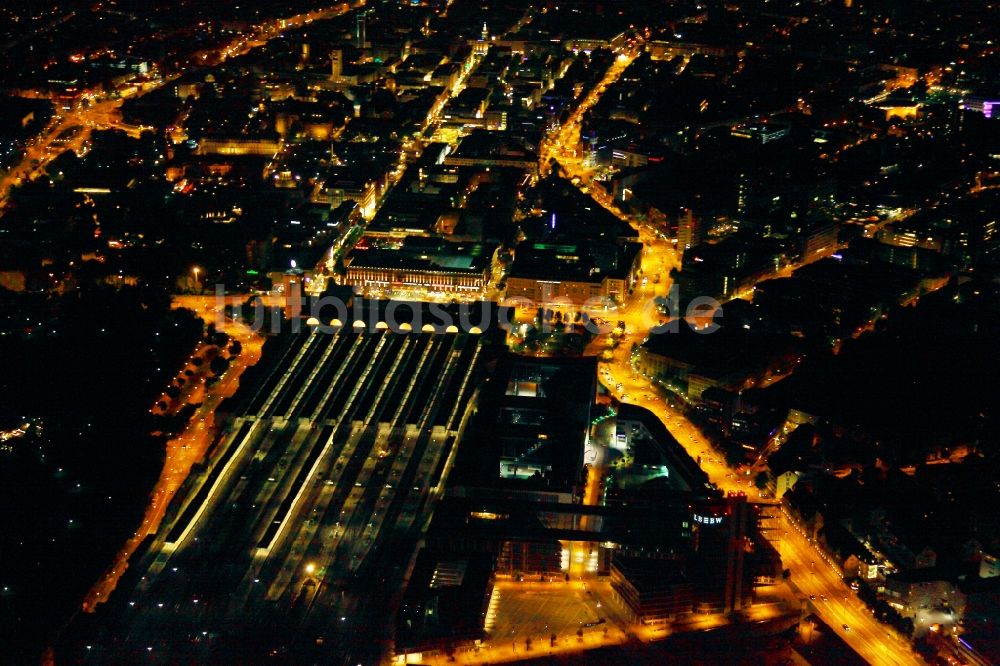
{"x": 311, "y": 500}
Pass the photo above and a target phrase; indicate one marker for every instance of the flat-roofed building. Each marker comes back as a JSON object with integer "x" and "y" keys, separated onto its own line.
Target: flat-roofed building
{"x": 653, "y": 592}
{"x": 429, "y": 264}
{"x": 261, "y": 144}
{"x": 493, "y": 149}
{"x": 577, "y": 273}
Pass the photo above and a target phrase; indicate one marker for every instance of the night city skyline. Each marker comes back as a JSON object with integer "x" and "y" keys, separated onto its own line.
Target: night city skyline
{"x": 478, "y": 332}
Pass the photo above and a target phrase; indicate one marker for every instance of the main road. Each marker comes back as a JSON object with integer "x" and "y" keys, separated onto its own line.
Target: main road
{"x": 188, "y": 448}
{"x": 94, "y": 110}
{"x": 810, "y": 572}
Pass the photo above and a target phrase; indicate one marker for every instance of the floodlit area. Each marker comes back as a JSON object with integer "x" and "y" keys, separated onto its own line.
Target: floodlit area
{"x": 536, "y": 611}
{"x": 532, "y": 619}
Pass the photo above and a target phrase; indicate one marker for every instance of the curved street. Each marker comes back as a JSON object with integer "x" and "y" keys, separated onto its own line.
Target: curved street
{"x": 810, "y": 572}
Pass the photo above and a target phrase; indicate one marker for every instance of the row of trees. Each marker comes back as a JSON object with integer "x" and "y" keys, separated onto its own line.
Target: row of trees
{"x": 555, "y": 332}
{"x": 883, "y": 611}
{"x": 218, "y": 353}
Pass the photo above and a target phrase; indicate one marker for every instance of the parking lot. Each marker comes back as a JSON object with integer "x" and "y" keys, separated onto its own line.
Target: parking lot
{"x": 540, "y": 610}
